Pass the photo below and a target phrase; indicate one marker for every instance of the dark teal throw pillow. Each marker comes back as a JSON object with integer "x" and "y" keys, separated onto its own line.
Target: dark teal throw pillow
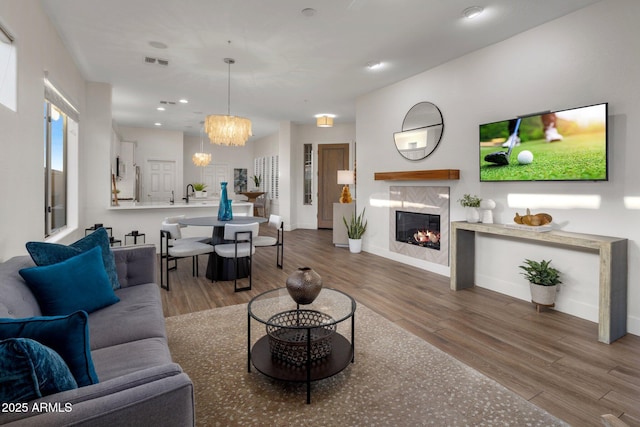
{"x": 66, "y": 335}
{"x": 79, "y": 283}
{"x": 29, "y": 370}
{"x": 52, "y": 253}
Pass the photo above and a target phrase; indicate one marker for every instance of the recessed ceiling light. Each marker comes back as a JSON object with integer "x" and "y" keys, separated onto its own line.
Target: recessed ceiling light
{"x": 183, "y": 101}
{"x": 158, "y": 124}
{"x": 472, "y": 12}
{"x": 374, "y": 65}
{"x": 158, "y": 45}
{"x": 308, "y": 12}
{"x": 160, "y": 108}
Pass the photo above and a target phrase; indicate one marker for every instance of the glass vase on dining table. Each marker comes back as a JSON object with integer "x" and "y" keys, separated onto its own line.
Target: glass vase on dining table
{"x": 224, "y": 210}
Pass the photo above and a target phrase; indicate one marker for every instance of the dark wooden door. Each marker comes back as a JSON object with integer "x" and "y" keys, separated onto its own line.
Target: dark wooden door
{"x": 331, "y": 159}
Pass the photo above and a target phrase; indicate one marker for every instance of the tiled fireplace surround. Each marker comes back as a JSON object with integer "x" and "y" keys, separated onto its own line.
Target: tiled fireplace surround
{"x": 426, "y": 200}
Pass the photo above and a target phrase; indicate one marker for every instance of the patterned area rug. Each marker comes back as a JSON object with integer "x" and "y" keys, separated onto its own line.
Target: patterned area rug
{"x": 397, "y": 380}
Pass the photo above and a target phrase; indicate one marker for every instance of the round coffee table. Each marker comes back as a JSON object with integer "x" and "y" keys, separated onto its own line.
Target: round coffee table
{"x": 301, "y": 343}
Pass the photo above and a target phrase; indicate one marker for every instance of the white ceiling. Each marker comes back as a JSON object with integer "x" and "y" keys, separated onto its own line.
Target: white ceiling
{"x": 288, "y": 67}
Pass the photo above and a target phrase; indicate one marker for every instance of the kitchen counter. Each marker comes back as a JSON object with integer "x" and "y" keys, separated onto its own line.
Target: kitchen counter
{"x": 193, "y": 203}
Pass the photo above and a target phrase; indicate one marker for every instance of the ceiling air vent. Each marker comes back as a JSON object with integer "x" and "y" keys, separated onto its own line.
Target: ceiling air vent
{"x": 150, "y": 60}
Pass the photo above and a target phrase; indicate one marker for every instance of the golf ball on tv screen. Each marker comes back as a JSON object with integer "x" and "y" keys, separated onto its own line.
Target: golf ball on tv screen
{"x": 525, "y": 157}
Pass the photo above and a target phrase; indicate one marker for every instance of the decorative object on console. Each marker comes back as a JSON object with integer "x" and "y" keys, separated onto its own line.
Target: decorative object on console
{"x": 471, "y": 205}
{"x": 487, "y": 206}
{"x": 346, "y": 178}
{"x": 536, "y": 220}
{"x": 228, "y": 130}
{"x": 543, "y": 281}
{"x": 224, "y": 210}
{"x": 304, "y": 285}
{"x": 421, "y": 133}
{"x": 355, "y": 229}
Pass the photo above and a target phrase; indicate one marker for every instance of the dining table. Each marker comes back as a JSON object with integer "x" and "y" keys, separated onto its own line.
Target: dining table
{"x": 218, "y": 268}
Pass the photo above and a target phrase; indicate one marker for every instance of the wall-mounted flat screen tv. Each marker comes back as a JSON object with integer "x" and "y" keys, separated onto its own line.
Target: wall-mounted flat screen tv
{"x": 565, "y": 145}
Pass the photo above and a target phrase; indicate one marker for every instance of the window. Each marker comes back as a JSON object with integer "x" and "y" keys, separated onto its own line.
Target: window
{"x": 268, "y": 168}
{"x": 8, "y": 76}
{"x": 308, "y": 174}
{"x": 60, "y": 161}
{"x": 55, "y": 177}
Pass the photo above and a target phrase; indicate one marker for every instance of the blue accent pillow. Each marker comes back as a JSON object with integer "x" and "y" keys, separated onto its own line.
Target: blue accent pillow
{"x": 79, "y": 283}
{"x": 29, "y": 370}
{"x": 66, "y": 335}
{"x": 52, "y": 253}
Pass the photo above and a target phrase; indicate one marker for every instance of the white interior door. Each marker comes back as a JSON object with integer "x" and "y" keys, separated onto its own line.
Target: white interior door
{"x": 161, "y": 180}
{"x": 213, "y": 175}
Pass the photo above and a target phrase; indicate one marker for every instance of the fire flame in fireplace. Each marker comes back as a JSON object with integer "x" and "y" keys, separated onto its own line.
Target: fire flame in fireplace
{"x": 425, "y": 236}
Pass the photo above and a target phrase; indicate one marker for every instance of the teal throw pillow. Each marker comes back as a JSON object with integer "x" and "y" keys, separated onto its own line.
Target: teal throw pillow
{"x": 29, "y": 370}
{"x": 79, "y": 283}
{"x": 66, "y": 335}
{"x": 52, "y": 253}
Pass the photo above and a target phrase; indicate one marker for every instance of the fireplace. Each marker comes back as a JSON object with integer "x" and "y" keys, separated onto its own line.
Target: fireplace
{"x": 420, "y": 229}
{"x": 419, "y": 222}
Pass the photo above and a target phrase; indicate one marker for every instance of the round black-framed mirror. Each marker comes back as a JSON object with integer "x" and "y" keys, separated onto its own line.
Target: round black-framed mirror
{"x": 421, "y": 133}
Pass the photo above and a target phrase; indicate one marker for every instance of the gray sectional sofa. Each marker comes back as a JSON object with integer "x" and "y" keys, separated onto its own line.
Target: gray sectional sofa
{"x": 138, "y": 382}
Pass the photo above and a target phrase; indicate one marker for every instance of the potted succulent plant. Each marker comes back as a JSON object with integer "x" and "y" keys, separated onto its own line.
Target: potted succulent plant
{"x": 355, "y": 229}
{"x": 471, "y": 205}
{"x": 543, "y": 281}
{"x": 199, "y": 188}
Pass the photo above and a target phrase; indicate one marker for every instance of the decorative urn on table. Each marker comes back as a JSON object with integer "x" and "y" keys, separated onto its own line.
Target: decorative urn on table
{"x": 304, "y": 285}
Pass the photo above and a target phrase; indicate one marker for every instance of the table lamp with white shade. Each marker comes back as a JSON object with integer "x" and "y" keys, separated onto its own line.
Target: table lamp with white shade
{"x": 346, "y": 178}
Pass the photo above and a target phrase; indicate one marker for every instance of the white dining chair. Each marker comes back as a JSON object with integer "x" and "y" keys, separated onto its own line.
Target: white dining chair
{"x": 241, "y": 237}
{"x": 275, "y": 221}
{"x": 174, "y": 247}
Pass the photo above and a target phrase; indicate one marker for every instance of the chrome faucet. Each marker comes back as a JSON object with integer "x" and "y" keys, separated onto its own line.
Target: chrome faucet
{"x": 187, "y": 191}
{"x": 172, "y": 199}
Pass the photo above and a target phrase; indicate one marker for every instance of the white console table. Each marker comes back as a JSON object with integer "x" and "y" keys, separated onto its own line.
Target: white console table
{"x": 612, "y": 310}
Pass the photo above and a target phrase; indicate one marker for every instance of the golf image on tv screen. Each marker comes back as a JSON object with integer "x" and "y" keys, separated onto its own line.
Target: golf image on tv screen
{"x": 566, "y": 145}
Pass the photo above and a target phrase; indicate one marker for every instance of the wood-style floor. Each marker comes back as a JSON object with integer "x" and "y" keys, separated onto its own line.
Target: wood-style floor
{"x": 551, "y": 359}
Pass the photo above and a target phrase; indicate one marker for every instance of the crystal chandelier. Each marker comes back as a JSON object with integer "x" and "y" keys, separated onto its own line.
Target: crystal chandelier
{"x": 201, "y": 158}
{"x": 228, "y": 130}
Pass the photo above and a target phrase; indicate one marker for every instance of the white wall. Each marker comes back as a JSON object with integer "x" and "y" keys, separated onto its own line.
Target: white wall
{"x": 583, "y": 58}
{"x": 156, "y": 144}
{"x": 95, "y": 166}
{"x": 306, "y": 216}
{"x": 21, "y": 138}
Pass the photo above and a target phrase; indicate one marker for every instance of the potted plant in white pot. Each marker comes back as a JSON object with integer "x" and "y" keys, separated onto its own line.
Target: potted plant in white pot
{"x": 543, "y": 281}
{"x": 355, "y": 229}
{"x": 199, "y": 188}
{"x": 471, "y": 205}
